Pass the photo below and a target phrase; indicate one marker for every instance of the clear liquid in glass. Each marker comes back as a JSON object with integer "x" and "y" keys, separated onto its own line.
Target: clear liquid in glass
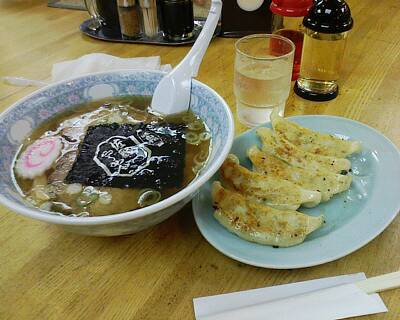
{"x": 260, "y": 87}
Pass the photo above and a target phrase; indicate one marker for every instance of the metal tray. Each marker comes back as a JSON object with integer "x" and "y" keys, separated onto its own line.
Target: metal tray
{"x": 108, "y": 34}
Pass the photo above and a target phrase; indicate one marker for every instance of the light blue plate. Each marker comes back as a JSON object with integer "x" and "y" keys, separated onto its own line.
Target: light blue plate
{"x": 353, "y": 218}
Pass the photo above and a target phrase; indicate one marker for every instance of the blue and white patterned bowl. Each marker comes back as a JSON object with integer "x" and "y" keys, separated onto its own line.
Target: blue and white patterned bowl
{"x": 25, "y": 115}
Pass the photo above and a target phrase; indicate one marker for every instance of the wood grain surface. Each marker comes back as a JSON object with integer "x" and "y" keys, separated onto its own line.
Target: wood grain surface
{"x": 46, "y": 273}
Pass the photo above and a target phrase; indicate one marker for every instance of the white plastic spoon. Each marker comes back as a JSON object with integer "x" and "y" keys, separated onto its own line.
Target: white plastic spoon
{"x": 172, "y": 94}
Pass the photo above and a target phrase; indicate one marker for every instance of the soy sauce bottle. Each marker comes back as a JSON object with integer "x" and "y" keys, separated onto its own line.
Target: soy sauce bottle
{"x": 326, "y": 28}
{"x": 177, "y": 19}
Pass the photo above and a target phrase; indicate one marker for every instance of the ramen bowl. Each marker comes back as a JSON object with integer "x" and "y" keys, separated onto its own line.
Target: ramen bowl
{"x": 25, "y": 115}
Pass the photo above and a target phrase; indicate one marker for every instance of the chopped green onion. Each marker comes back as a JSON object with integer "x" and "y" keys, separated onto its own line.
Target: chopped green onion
{"x": 149, "y": 197}
{"x": 197, "y": 167}
{"x": 89, "y": 195}
{"x": 204, "y": 136}
{"x": 46, "y": 206}
{"x": 196, "y": 125}
{"x": 74, "y": 188}
{"x": 188, "y": 118}
{"x": 192, "y": 138}
{"x": 105, "y": 198}
{"x": 201, "y": 157}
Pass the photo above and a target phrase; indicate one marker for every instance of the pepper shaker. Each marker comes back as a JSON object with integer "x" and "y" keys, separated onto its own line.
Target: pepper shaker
{"x": 326, "y": 27}
{"x": 129, "y": 18}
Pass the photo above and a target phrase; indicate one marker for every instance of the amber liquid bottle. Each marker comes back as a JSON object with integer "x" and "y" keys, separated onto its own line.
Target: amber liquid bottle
{"x": 323, "y": 55}
{"x": 287, "y": 21}
{"x": 326, "y": 27}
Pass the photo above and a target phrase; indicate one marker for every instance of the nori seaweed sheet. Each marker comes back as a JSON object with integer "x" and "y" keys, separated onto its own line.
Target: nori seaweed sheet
{"x": 131, "y": 156}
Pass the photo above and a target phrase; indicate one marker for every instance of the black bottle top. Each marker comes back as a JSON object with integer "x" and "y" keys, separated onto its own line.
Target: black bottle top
{"x": 329, "y": 16}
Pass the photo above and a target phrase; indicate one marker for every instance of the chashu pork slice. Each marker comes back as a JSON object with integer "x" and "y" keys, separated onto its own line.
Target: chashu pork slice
{"x": 328, "y": 183}
{"x": 268, "y": 190}
{"x": 311, "y": 141}
{"x": 288, "y": 152}
{"x": 261, "y": 224}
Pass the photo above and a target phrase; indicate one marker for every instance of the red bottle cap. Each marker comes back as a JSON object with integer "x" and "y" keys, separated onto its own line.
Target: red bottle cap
{"x": 291, "y": 8}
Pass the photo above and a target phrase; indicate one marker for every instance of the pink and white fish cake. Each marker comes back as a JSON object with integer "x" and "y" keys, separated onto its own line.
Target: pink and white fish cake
{"x": 38, "y": 157}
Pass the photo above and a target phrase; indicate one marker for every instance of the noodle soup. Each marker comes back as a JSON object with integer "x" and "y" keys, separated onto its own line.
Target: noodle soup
{"x": 110, "y": 156}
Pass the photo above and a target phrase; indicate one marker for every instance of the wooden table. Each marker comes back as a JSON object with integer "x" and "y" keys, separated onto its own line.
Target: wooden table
{"x": 46, "y": 273}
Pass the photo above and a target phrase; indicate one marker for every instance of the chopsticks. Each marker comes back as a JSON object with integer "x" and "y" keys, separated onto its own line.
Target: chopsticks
{"x": 369, "y": 286}
{"x": 380, "y": 283}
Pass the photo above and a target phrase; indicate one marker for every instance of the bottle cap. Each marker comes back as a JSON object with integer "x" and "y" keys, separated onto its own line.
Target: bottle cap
{"x": 329, "y": 16}
{"x": 290, "y": 8}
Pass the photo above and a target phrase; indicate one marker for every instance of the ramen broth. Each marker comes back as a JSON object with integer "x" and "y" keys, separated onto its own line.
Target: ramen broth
{"x": 50, "y": 191}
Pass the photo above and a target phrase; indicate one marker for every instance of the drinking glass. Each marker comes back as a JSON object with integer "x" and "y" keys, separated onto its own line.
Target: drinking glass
{"x": 263, "y": 69}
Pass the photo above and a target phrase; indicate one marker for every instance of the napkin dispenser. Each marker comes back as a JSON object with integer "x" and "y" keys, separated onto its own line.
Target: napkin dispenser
{"x": 243, "y": 17}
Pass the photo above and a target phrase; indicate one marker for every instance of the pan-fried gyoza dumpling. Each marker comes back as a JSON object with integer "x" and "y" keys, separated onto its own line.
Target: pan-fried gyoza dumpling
{"x": 288, "y": 152}
{"x": 311, "y": 141}
{"x": 258, "y": 223}
{"x": 328, "y": 183}
{"x": 272, "y": 191}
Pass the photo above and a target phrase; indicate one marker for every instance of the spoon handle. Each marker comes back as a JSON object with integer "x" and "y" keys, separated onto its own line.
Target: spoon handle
{"x": 196, "y": 54}
{"x": 172, "y": 94}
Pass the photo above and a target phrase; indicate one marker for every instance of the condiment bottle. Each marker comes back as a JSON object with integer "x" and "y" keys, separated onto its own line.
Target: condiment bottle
{"x": 129, "y": 18}
{"x": 326, "y": 27}
{"x": 177, "y": 19}
{"x": 287, "y": 20}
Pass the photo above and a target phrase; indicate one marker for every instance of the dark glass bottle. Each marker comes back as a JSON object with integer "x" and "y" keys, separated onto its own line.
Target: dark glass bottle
{"x": 177, "y": 19}
{"x": 326, "y": 28}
